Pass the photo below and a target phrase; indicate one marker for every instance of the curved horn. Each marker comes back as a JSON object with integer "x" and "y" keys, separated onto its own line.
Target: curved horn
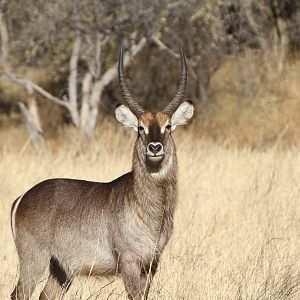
{"x": 129, "y": 100}
{"x": 173, "y": 105}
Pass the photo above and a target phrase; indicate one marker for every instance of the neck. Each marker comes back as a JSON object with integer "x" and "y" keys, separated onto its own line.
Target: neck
{"x": 164, "y": 176}
{"x": 155, "y": 193}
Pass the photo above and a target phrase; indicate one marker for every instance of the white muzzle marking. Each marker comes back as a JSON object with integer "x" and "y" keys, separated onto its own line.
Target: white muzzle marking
{"x": 155, "y": 156}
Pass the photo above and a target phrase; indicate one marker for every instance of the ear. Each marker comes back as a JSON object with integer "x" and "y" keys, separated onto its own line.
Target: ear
{"x": 182, "y": 115}
{"x": 126, "y": 117}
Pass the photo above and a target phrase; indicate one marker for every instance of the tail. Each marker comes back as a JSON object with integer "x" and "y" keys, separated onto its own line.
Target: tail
{"x": 12, "y": 215}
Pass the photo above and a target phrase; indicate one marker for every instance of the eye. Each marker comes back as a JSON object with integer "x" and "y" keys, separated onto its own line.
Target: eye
{"x": 168, "y": 126}
{"x": 141, "y": 128}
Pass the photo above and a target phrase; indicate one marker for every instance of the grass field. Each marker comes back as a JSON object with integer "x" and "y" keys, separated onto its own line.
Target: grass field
{"x": 237, "y": 224}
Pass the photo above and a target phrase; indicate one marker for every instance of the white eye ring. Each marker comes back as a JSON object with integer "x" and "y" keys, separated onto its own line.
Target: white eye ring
{"x": 165, "y": 126}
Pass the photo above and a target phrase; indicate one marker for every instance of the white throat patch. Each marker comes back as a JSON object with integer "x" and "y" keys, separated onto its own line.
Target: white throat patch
{"x": 164, "y": 169}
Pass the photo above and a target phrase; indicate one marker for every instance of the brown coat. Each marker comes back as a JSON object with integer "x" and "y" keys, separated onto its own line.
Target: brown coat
{"x": 74, "y": 227}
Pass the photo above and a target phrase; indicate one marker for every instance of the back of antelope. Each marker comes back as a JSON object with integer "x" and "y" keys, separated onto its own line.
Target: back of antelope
{"x": 69, "y": 227}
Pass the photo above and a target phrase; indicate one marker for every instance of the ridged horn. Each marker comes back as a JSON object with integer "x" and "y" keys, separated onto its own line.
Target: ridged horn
{"x": 128, "y": 98}
{"x": 177, "y": 100}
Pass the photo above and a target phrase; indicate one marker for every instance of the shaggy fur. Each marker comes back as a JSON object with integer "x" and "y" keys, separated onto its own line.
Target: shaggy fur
{"x": 74, "y": 227}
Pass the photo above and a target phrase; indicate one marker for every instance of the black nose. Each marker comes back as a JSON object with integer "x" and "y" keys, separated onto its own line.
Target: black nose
{"x": 155, "y": 148}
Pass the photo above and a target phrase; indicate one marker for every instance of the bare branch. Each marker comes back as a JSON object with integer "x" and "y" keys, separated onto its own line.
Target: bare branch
{"x": 163, "y": 46}
{"x": 27, "y": 84}
{"x": 99, "y": 45}
{"x": 112, "y": 72}
{"x": 92, "y": 53}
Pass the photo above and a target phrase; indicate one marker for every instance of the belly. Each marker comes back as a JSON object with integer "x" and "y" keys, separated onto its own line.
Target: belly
{"x": 92, "y": 257}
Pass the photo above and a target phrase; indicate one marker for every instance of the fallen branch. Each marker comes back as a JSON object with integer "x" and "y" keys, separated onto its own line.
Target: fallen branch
{"x": 27, "y": 84}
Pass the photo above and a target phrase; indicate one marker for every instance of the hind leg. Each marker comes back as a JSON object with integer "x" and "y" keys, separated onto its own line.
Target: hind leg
{"x": 23, "y": 288}
{"x": 33, "y": 264}
{"x": 30, "y": 274}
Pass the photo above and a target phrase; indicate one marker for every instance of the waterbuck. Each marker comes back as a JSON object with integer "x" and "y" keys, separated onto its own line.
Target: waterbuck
{"x": 74, "y": 227}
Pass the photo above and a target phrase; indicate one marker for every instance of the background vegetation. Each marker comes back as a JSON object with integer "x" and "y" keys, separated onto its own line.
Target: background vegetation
{"x": 58, "y": 63}
{"x": 237, "y": 223}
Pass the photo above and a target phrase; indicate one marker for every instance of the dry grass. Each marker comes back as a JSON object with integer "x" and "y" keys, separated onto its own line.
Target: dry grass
{"x": 249, "y": 109}
{"x": 237, "y": 224}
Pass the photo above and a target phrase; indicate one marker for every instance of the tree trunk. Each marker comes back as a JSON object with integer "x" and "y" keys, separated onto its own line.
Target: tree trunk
{"x": 92, "y": 91}
{"x": 34, "y": 112}
{"x": 32, "y": 120}
{"x": 32, "y": 123}
{"x": 85, "y": 105}
{"x": 72, "y": 86}
{"x": 282, "y": 43}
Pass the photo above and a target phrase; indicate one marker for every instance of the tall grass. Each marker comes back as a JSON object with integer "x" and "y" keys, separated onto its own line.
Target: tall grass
{"x": 246, "y": 109}
{"x": 237, "y": 222}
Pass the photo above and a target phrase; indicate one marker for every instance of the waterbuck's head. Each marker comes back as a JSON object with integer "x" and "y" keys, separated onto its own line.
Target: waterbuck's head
{"x": 154, "y": 146}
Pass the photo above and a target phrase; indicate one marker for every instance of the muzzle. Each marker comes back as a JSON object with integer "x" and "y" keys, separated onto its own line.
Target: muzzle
{"x": 155, "y": 150}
